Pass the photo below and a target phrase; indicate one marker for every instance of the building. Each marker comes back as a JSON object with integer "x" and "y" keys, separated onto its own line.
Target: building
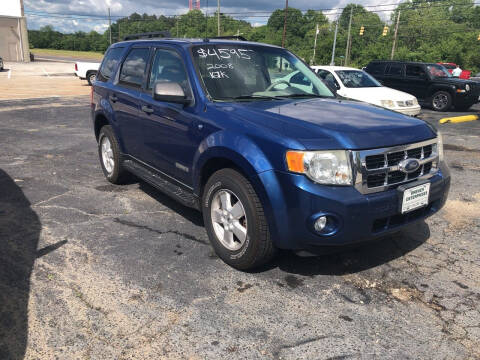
{"x": 13, "y": 32}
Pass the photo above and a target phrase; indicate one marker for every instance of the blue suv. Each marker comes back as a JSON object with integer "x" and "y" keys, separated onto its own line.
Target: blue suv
{"x": 250, "y": 136}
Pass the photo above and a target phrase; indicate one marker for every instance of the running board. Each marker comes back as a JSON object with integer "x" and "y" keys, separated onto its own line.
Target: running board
{"x": 176, "y": 192}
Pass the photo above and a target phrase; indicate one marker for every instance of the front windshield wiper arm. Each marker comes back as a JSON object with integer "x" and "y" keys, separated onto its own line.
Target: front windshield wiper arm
{"x": 303, "y": 95}
{"x": 247, "y": 97}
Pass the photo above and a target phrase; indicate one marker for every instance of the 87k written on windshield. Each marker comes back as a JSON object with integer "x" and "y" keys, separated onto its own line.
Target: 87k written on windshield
{"x": 250, "y": 72}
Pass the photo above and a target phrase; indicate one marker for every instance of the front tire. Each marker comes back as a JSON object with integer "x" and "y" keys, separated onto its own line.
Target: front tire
{"x": 109, "y": 153}
{"x": 235, "y": 221}
{"x": 441, "y": 101}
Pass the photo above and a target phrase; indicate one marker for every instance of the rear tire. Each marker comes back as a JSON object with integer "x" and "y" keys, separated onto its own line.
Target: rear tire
{"x": 235, "y": 221}
{"x": 91, "y": 76}
{"x": 441, "y": 101}
{"x": 110, "y": 156}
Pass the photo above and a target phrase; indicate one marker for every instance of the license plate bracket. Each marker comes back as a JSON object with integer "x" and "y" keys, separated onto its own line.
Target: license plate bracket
{"x": 413, "y": 196}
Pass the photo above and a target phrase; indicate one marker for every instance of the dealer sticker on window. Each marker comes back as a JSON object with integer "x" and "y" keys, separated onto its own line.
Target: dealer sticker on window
{"x": 415, "y": 197}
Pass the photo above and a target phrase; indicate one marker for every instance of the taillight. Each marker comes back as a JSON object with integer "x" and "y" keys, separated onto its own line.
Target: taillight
{"x": 76, "y": 67}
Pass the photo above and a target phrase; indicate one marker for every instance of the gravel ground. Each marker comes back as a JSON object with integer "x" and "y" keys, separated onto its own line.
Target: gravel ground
{"x": 89, "y": 270}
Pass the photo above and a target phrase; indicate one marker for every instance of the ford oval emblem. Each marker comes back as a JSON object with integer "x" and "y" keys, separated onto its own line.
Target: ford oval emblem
{"x": 408, "y": 165}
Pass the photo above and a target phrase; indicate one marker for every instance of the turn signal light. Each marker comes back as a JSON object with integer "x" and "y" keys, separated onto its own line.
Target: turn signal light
{"x": 295, "y": 161}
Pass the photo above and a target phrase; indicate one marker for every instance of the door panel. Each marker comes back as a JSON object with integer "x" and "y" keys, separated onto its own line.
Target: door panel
{"x": 171, "y": 135}
{"x": 416, "y": 80}
{"x": 125, "y": 100}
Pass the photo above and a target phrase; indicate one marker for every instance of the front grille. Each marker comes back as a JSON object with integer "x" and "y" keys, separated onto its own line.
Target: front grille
{"x": 380, "y": 168}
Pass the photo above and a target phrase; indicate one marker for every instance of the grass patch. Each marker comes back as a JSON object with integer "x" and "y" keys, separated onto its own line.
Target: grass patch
{"x": 68, "y": 53}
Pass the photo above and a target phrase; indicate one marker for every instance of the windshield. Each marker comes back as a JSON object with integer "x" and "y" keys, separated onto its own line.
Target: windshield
{"x": 249, "y": 72}
{"x": 438, "y": 71}
{"x": 357, "y": 79}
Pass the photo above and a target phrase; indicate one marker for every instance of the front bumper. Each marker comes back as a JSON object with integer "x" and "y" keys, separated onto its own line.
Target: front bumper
{"x": 410, "y": 111}
{"x": 295, "y": 200}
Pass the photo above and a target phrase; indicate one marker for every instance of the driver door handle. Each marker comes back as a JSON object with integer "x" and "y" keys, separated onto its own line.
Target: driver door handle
{"x": 147, "y": 109}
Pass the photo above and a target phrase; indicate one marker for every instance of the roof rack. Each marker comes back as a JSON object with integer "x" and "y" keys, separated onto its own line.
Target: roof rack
{"x": 149, "y": 35}
{"x": 229, "y": 37}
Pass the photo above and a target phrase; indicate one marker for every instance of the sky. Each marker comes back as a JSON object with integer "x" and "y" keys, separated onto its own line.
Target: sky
{"x": 40, "y": 12}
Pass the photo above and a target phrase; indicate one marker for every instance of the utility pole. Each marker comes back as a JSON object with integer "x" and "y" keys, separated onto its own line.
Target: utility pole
{"x": 315, "y": 45}
{"x": 218, "y": 17}
{"x": 347, "y": 51}
{"x": 395, "y": 36}
{"x": 110, "y": 26}
{"x": 285, "y": 24}
{"x": 332, "y": 63}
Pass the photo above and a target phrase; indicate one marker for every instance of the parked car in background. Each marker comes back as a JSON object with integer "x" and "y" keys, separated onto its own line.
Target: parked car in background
{"x": 450, "y": 66}
{"x": 214, "y": 124}
{"x": 431, "y": 84}
{"x": 1, "y": 63}
{"x": 359, "y": 85}
{"x": 86, "y": 70}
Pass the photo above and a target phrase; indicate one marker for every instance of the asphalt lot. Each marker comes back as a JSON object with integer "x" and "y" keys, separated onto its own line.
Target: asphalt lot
{"x": 89, "y": 270}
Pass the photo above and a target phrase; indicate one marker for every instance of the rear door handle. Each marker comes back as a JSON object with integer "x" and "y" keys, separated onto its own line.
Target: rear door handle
{"x": 147, "y": 109}
{"x": 113, "y": 98}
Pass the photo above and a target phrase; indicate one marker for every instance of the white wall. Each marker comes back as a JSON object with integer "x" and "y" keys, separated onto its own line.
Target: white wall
{"x": 10, "y": 8}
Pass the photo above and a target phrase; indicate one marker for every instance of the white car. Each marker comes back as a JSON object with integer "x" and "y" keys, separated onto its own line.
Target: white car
{"x": 358, "y": 85}
{"x": 86, "y": 70}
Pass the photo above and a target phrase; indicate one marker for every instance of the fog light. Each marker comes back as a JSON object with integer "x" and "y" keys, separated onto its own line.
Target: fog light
{"x": 320, "y": 223}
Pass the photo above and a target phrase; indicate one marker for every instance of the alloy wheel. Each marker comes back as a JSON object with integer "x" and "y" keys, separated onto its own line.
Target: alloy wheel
{"x": 229, "y": 219}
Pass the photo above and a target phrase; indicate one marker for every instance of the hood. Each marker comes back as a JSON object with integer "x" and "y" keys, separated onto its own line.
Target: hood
{"x": 374, "y": 95}
{"x": 333, "y": 123}
{"x": 452, "y": 81}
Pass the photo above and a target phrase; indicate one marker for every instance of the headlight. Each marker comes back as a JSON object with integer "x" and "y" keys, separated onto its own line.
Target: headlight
{"x": 415, "y": 101}
{"x": 387, "y": 103}
{"x": 440, "y": 146}
{"x": 324, "y": 167}
{"x": 467, "y": 87}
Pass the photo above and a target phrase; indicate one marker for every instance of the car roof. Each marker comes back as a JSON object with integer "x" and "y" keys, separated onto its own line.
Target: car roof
{"x": 402, "y": 62}
{"x": 192, "y": 41}
{"x": 333, "y": 68}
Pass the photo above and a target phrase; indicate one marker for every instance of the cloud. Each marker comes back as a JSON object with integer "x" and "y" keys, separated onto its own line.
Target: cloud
{"x": 255, "y": 11}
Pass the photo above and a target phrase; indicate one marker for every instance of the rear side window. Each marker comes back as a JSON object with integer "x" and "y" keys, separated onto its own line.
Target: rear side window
{"x": 395, "y": 70}
{"x": 414, "y": 71}
{"x": 133, "y": 68}
{"x": 376, "y": 68}
{"x": 112, "y": 57}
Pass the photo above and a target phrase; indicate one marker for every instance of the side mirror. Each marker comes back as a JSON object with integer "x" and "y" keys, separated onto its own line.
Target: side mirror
{"x": 170, "y": 92}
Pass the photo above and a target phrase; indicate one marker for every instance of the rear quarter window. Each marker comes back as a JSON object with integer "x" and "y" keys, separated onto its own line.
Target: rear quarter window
{"x": 109, "y": 63}
{"x": 376, "y": 68}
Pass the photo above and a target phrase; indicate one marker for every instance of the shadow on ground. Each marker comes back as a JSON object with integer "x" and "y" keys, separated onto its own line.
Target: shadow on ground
{"x": 19, "y": 234}
{"x": 338, "y": 262}
{"x": 353, "y": 260}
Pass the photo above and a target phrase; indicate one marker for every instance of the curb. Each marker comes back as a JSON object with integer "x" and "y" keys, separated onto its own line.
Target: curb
{"x": 458, "y": 119}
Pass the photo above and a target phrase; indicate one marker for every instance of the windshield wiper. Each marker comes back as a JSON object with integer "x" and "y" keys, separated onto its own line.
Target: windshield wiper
{"x": 248, "y": 97}
{"x": 303, "y": 95}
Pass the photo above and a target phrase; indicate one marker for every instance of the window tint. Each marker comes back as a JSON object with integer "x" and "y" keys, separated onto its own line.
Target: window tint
{"x": 167, "y": 66}
{"x": 376, "y": 68}
{"x": 112, "y": 57}
{"x": 395, "y": 70}
{"x": 133, "y": 67}
{"x": 414, "y": 71}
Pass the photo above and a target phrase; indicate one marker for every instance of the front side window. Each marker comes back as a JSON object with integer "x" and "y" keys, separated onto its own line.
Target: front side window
{"x": 248, "y": 72}
{"x": 329, "y": 78}
{"x": 167, "y": 66}
{"x": 357, "y": 79}
{"x": 133, "y": 68}
{"x": 414, "y": 71}
{"x": 438, "y": 71}
{"x": 112, "y": 57}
